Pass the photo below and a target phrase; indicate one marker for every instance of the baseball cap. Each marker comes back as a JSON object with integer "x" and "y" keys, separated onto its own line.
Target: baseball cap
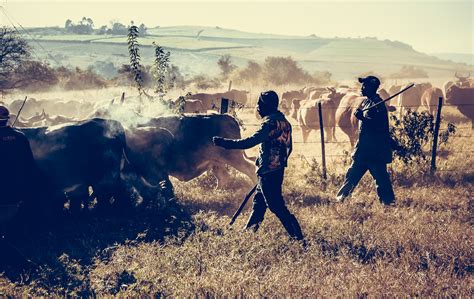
{"x": 370, "y": 80}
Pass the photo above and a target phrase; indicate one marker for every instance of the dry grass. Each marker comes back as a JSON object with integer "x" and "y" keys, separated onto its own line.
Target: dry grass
{"x": 421, "y": 247}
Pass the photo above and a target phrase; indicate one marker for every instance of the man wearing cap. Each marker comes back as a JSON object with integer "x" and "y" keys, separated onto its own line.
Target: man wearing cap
{"x": 275, "y": 138}
{"x": 17, "y": 162}
{"x": 373, "y": 150}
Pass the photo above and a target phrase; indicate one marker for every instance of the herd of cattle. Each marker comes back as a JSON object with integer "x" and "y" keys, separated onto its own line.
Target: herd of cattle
{"x": 80, "y": 148}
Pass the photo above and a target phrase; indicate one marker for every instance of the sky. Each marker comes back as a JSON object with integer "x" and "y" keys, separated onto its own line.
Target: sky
{"x": 429, "y": 26}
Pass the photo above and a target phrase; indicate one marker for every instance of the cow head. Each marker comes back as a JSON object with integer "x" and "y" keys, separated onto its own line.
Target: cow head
{"x": 150, "y": 142}
{"x": 451, "y": 92}
{"x": 295, "y": 106}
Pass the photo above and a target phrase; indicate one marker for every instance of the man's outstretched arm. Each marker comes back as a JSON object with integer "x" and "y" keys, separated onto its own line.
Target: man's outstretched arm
{"x": 260, "y": 136}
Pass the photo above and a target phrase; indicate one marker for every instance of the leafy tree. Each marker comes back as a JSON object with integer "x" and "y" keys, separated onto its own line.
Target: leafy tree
{"x": 31, "y": 75}
{"x": 175, "y": 78}
{"x": 226, "y": 66}
{"x": 284, "y": 70}
{"x": 119, "y": 29}
{"x": 142, "y": 29}
{"x": 160, "y": 69}
{"x": 408, "y": 72}
{"x": 134, "y": 54}
{"x": 413, "y": 134}
{"x": 68, "y": 24}
{"x": 251, "y": 73}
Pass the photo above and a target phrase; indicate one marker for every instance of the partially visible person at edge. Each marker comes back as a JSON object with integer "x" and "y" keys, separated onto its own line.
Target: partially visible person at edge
{"x": 18, "y": 178}
{"x": 275, "y": 138}
{"x": 373, "y": 150}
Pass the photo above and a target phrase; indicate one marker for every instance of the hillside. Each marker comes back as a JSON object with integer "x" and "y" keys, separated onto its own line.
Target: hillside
{"x": 196, "y": 49}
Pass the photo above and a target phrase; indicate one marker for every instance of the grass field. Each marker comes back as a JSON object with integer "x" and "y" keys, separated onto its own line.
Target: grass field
{"x": 422, "y": 246}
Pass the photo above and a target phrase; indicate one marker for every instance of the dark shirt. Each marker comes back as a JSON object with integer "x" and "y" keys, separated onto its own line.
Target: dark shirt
{"x": 17, "y": 163}
{"x": 374, "y": 143}
{"x": 275, "y": 138}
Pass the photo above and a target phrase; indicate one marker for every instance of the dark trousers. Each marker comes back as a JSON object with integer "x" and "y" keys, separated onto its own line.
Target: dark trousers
{"x": 269, "y": 195}
{"x": 378, "y": 170}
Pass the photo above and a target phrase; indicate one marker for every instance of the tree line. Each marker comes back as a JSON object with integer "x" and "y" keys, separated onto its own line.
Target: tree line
{"x": 86, "y": 26}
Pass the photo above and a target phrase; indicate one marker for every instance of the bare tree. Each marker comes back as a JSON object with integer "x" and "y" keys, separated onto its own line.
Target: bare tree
{"x": 14, "y": 50}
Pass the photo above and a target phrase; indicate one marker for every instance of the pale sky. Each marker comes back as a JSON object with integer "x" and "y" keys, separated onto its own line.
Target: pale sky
{"x": 429, "y": 26}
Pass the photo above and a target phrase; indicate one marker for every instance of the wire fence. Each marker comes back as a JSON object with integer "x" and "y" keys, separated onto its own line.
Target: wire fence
{"x": 328, "y": 107}
{"x": 319, "y": 120}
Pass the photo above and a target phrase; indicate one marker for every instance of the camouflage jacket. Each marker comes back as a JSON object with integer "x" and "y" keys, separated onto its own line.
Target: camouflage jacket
{"x": 374, "y": 143}
{"x": 275, "y": 138}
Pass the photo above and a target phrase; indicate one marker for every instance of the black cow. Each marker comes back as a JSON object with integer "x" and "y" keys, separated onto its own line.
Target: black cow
{"x": 185, "y": 149}
{"x": 79, "y": 158}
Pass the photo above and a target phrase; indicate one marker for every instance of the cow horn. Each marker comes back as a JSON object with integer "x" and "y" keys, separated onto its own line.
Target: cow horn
{"x": 122, "y": 99}
{"x": 461, "y": 77}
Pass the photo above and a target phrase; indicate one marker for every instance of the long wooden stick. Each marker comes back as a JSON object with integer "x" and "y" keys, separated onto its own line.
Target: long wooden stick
{"x": 19, "y": 111}
{"x": 390, "y": 97}
{"x": 242, "y": 205}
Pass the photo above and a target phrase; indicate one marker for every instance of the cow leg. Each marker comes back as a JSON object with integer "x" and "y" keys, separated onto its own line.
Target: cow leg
{"x": 305, "y": 134}
{"x": 329, "y": 134}
{"x": 221, "y": 174}
{"x": 237, "y": 160}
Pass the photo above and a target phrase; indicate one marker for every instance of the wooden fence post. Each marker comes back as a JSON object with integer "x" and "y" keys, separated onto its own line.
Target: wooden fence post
{"x": 230, "y": 85}
{"x": 435, "y": 135}
{"x": 224, "y": 105}
{"x": 323, "y": 149}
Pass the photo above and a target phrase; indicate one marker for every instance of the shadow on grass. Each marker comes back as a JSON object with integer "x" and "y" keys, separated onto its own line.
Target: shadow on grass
{"x": 60, "y": 253}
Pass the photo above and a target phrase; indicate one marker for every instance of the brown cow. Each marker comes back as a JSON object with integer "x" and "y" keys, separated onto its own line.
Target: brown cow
{"x": 345, "y": 118}
{"x": 193, "y": 106}
{"x": 307, "y": 114}
{"x": 463, "y": 99}
{"x": 411, "y": 99}
{"x": 288, "y": 97}
{"x": 430, "y": 97}
{"x": 211, "y": 101}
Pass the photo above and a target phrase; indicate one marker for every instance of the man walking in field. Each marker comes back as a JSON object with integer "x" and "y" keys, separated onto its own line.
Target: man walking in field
{"x": 373, "y": 150}
{"x": 275, "y": 138}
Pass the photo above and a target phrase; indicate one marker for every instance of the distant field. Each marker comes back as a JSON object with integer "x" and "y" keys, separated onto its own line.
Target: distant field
{"x": 196, "y": 49}
{"x": 185, "y": 43}
{"x": 193, "y": 31}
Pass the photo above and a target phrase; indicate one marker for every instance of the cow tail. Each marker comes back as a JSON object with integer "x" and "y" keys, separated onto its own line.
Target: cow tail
{"x": 248, "y": 158}
{"x": 125, "y": 151}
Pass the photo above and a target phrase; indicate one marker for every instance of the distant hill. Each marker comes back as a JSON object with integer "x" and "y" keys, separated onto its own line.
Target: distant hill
{"x": 196, "y": 49}
{"x": 456, "y": 57}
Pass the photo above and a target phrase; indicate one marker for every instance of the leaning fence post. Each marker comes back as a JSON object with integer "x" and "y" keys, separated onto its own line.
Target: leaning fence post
{"x": 224, "y": 105}
{"x": 323, "y": 149}
{"x": 435, "y": 135}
